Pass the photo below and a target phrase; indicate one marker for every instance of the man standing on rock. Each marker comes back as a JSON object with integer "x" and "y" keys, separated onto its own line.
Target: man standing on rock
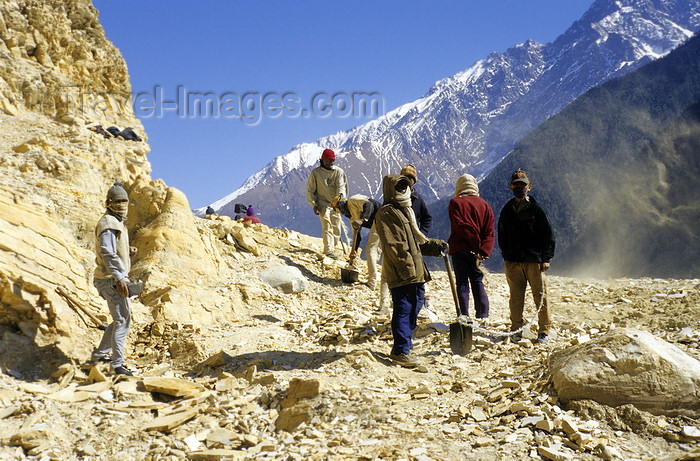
{"x": 527, "y": 245}
{"x": 325, "y": 183}
{"x": 111, "y": 277}
{"x": 471, "y": 239}
{"x": 403, "y": 245}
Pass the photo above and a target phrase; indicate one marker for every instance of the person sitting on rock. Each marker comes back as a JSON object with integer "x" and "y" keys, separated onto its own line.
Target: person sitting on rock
{"x": 250, "y": 216}
{"x": 403, "y": 245}
{"x": 111, "y": 277}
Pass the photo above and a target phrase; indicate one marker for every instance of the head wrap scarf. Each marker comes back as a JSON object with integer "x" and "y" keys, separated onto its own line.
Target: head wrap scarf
{"x": 117, "y": 200}
{"x": 466, "y": 185}
{"x": 403, "y": 198}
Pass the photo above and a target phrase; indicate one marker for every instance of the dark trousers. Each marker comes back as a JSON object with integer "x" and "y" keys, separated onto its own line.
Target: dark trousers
{"x": 467, "y": 273}
{"x": 408, "y": 300}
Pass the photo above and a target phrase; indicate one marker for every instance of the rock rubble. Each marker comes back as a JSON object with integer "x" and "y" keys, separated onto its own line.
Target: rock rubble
{"x": 231, "y": 367}
{"x": 306, "y": 376}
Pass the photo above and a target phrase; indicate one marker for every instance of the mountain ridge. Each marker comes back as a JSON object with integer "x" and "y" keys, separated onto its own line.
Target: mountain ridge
{"x": 615, "y": 171}
{"x": 471, "y": 120}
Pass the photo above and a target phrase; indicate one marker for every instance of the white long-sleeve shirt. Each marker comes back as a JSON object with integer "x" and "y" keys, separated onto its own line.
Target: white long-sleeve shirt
{"x": 324, "y": 185}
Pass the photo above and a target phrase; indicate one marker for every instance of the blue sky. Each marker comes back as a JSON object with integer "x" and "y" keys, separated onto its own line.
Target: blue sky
{"x": 239, "y": 52}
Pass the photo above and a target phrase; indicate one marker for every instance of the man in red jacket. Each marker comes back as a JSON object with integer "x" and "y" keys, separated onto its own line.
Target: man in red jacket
{"x": 471, "y": 239}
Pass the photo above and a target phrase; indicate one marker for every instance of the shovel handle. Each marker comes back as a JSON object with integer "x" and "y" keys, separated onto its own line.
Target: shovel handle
{"x": 451, "y": 276}
{"x": 77, "y": 305}
{"x": 344, "y": 234}
{"x": 355, "y": 235}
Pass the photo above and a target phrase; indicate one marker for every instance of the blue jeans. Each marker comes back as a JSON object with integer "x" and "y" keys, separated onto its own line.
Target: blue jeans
{"x": 467, "y": 273}
{"x": 408, "y": 300}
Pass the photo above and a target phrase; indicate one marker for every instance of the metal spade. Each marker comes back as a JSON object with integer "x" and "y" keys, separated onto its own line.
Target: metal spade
{"x": 461, "y": 330}
{"x": 349, "y": 274}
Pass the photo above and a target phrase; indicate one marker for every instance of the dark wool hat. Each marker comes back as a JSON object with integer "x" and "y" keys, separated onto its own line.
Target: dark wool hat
{"x": 328, "y": 155}
{"x": 117, "y": 192}
{"x": 520, "y": 177}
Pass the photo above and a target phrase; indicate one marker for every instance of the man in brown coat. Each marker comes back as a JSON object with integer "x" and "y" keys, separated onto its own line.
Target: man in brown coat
{"x": 403, "y": 245}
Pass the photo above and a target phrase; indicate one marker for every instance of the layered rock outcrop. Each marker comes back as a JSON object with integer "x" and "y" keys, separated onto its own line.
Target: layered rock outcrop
{"x": 59, "y": 77}
{"x": 52, "y": 52}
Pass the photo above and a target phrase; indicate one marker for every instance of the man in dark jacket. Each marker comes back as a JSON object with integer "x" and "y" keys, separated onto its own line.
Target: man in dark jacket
{"x": 471, "y": 240}
{"x": 403, "y": 245}
{"x": 527, "y": 244}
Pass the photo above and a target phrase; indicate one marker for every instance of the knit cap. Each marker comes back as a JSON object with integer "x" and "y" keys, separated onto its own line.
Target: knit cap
{"x": 521, "y": 177}
{"x": 410, "y": 172}
{"x": 117, "y": 192}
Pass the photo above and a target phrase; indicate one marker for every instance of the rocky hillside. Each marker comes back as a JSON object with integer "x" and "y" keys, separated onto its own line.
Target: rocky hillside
{"x": 302, "y": 372}
{"x": 246, "y": 344}
{"x": 60, "y": 76}
{"x": 469, "y": 121}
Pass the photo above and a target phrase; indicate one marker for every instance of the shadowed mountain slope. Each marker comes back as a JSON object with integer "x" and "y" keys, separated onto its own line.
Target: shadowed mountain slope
{"x": 616, "y": 171}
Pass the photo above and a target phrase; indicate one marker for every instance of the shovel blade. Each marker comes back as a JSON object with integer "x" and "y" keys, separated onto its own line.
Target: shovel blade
{"x": 460, "y": 338}
{"x": 348, "y": 275}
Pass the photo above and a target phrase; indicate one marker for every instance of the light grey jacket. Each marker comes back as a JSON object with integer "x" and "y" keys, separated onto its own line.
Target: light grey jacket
{"x": 324, "y": 185}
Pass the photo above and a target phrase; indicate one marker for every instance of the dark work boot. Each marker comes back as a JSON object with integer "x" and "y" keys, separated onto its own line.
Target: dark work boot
{"x": 542, "y": 339}
{"x": 405, "y": 360}
{"x": 122, "y": 370}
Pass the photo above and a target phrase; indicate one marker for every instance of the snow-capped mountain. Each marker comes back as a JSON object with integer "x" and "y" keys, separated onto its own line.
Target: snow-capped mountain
{"x": 470, "y": 121}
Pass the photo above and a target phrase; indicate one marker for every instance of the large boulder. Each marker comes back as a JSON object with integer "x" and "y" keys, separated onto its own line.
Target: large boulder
{"x": 285, "y": 278}
{"x": 629, "y": 366}
{"x": 36, "y": 258}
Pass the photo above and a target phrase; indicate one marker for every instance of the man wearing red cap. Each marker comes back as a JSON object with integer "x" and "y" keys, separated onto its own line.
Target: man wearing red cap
{"x": 326, "y": 182}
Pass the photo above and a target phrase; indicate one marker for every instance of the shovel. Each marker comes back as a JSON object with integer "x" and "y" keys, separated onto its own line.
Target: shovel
{"x": 344, "y": 234}
{"x": 79, "y": 308}
{"x": 348, "y": 274}
{"x": 461, "y": 330}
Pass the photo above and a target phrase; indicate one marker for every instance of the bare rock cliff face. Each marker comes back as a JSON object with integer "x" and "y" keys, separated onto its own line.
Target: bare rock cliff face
{"x": 54, "y": 48}
{"x": 58, "y": 76}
